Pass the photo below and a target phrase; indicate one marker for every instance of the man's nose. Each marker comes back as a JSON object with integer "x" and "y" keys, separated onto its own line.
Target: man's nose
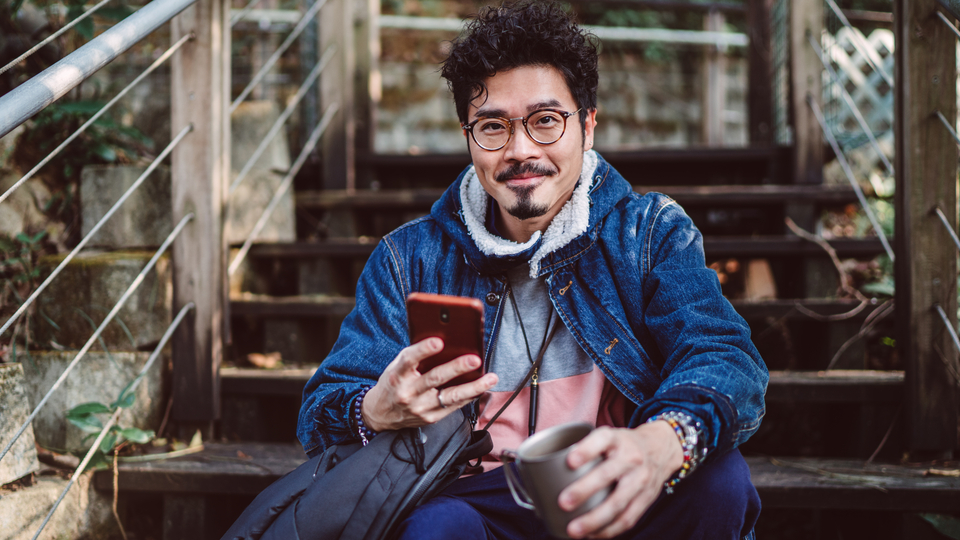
{"x": 521, "y": 147}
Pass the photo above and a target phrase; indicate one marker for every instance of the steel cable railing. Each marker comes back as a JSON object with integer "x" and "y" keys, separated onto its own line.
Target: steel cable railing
{"x": 850, "y": 177}
{"x": 848, "y": 99}
{"x": 83, "y": 242}
{"x": 26, "y": 100}
{"x": 284, "y": 186}
{"x": 156, "y": 63}
{"x": 238, "y": 16}
{"x": 946, "y": 224}
{"x": 53, "y": 36}
{"x": 950, "y": 25}
{"x": 103, "y": 325}
{"x": 946, "y": 124}
{"x": 864, "y": 48}
{"x": 282, "y": 119}
{"x": 275, "y": 57}
{"x": 116, "y": 415}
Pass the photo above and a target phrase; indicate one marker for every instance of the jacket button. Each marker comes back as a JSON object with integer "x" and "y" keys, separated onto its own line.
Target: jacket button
{"x": 492, "y": 298}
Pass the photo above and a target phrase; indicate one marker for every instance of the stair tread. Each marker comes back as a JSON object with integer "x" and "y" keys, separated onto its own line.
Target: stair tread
{"x": 322, "y": 305}
{"x": 422, "y": 198}
{"x": 247, "y": 468}
{"x": 763, "y": 246}
{"x": 835, "y": 386}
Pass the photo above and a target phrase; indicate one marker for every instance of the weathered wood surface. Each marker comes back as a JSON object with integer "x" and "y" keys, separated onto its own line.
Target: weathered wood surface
{"x": 684, "y": 195}
{"x": 274, "y": 382}
{"x": 760, "y": 72}
{"x": 835, "y": 386}
{"x": 200, "y": 88}
{"x": 247, "y": 468}
{"x": 926, "y": 264}
{"x": 336, "y": 86}
{"x": 806, "y": 19}
{"x": 771, "y": 246}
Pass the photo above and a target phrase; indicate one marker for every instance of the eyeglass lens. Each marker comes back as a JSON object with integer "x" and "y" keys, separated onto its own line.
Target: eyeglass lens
{"x": 544, "y": 127}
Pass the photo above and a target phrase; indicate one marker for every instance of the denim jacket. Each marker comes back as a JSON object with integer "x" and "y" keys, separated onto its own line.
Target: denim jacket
{"x": 633, "y": 290}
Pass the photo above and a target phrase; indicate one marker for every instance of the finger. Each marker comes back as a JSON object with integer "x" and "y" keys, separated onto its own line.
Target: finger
{"x": 448, "y": 371}
{"x": 461, "y": 394}
{"x": 599, "y": 478}
{"x": 629, "y": 518}
{"x": 410, "y": 357}
{"x": 607, "y": 513}
{"x": 594, "y": 445}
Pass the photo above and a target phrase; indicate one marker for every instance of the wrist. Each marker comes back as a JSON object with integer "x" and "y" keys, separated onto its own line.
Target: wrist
{"x": 364, "y": 430}
{"x": 687, "y": 432}
{"x": 674, "y": 450}
{"x": 368, "y": 410}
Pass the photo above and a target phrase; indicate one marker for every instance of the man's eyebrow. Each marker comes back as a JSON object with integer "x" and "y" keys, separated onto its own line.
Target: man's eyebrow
{"x": 500, "y": 113}
{"x": 492, "y": 113}
{"x": 550, "y": 103}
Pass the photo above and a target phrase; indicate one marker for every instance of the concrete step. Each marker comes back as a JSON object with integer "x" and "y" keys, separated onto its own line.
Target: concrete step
{"x": 14, "y": 410}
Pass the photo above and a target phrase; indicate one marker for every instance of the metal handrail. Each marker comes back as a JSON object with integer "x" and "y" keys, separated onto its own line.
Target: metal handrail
{"x": 949, "y": 24}
{"x": 953, "y": 6}
{"x": 284, "y": 186}
{"x": 113, "y": 209}
{"x": 240, "y": 14}
{"x": 156, "y": 63}
{"x": 96, "y": 334}
{"x": 282, "y": 119}
{"x": 851, "y": 178}
{"x": 116, "y": 414}
{"x": 26, "y": 100}
{"x": 862, "y": 47}
{"x": 275, "y": 57}
{"x": 53, "y": 36}
{"x": 848, "y": 99}
{"x": 946, "y": 224}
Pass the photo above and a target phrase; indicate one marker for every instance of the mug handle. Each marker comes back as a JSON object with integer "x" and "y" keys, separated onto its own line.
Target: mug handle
{"x": 513, "y": 483}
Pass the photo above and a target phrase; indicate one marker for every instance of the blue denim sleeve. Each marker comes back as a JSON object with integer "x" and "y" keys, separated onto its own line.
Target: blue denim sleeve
{"x": 711, "y": 369}
{"x": 370, "y": 338}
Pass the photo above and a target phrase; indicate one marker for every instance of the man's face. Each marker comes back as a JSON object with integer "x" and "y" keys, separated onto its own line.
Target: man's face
{"x": 527, "y": 179}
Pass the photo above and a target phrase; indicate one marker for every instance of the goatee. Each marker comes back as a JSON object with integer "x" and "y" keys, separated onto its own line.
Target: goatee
{"x": 525, "y": 207}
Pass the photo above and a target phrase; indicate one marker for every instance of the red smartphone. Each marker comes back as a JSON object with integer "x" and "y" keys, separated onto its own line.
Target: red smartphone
{"x": 457, "y": 320}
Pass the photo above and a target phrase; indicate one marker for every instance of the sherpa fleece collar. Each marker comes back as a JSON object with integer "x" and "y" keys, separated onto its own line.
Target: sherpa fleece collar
{"x": 461, "y": 214}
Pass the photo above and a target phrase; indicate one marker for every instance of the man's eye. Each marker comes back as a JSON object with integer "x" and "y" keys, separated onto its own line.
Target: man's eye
{"x": 492, "y": 127}
{"x": 547, "y": 120}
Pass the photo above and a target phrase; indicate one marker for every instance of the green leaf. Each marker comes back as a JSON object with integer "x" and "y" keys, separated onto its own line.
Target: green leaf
{"x": 22, "y": 238}
{"x": 37, "y": 237}
{"x": 125, "y": 401}
{"x": 946, "y": 525}
{"x": 89, "y": 408}
{"x": 87, "y": 422}
{"x": 106, "y": 445}
{"x": 139, "y": 436}
{"x": 104, "y": 152}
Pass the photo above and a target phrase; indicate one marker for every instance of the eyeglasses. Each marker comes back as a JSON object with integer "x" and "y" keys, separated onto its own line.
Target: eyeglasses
{"x": 544, "y": 126}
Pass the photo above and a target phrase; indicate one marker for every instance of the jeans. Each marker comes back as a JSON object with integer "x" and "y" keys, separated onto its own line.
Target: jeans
{"x": 717, "y": 501}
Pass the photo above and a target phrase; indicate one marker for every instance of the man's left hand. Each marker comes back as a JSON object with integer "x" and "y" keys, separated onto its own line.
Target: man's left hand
{"x": 639, "y": 460}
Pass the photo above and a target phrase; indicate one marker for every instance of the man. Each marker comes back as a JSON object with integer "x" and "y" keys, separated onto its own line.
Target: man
{"x": 543, "y": 230}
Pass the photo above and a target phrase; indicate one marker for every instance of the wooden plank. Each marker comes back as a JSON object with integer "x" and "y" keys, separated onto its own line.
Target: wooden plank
{"x": 806, "y": 19}
{"x": 835, "y": 386}
{"x": 367, "y": 84}
{"x": 184, "y": 517}
{"x": 926, "y": 267}
{"x": 715, "y": 84}
{"x": 247, "y": 468}
{"x": 290, "y": 306}
{"x": 760, "y": 72}
{"x": 274, "y": 382}
{"x": 336, "y": 86}
{"x": 767, "y": 247}
{"x": 730, "y": 195}
{"x": 199, "y": 96}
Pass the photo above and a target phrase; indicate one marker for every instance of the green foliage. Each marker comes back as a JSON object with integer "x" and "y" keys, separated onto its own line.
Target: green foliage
{"x": 87, "y": 417}
{"x": 949, "y": 526}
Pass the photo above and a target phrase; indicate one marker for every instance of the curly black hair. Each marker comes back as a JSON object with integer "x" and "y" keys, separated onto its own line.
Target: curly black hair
{"x": 522, "y": 34}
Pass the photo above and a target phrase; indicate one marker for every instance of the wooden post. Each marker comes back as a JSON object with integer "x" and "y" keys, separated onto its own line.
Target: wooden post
{"x": 336, "y": 86}
{"x": 760, "y": 74}
{"x": 806, "y": 19}
{"x": 367, "y": 85}
{"x": 714, "y": 83}
{"x": 200, "y": 95}
{"x": 926, "y": 263}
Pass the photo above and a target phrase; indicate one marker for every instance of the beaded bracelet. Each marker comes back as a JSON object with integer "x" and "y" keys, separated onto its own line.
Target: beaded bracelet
{"x": 688, "y": 433}
{"x": 366, "y": 434}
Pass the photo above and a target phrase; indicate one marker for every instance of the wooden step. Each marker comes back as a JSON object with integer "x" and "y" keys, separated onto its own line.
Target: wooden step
{"x": 715, "y": 247}
{"x": 836, "y": 386}
{"x": 247, "y": 468}
{"x": 248, "y": 304}
{"x": 719, "y": 195}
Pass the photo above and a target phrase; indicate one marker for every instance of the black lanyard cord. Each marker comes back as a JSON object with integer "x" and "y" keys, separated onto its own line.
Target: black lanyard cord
{"x": 534, "y": 376}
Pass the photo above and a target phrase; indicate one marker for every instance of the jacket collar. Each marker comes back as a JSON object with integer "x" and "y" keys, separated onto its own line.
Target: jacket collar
{"x": 460, "y": 214}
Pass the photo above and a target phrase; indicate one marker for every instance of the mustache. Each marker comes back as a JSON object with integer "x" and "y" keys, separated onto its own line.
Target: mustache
{"x": 523, "y": 168}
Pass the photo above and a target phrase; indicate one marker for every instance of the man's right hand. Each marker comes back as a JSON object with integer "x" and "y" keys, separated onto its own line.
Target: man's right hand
{"x": 404, "y": 397}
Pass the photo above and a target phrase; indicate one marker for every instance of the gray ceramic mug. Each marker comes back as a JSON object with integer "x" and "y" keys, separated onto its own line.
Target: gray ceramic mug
{"x": 542, "y": 462}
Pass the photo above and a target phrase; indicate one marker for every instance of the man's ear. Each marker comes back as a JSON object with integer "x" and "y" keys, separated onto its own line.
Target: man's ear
{"x": 588, "y": 129}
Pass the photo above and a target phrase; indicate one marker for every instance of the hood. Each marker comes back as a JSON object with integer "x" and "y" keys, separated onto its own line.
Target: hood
{"x": 461, "y": 214}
